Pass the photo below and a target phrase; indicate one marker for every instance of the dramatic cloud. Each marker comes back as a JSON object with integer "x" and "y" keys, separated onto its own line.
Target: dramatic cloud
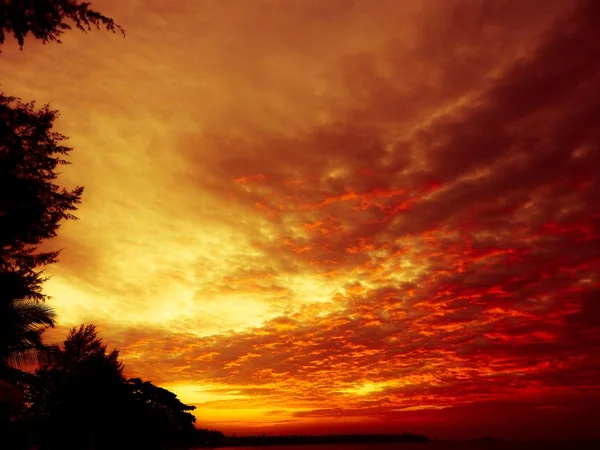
{"x": 342, "y": 215}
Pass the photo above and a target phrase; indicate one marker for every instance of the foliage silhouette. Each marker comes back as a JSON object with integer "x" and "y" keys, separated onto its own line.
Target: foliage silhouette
{"x": 31, "y": 203}
{"x": 82, "y": 399}
{"x": 49, "y": 19}
{"x": 22, "y": 323}
{"x": 31, "y": 208}
{"x": 161, "y": 407}
{"x": 265, "y": 441}
{"x": 74, "y": 393}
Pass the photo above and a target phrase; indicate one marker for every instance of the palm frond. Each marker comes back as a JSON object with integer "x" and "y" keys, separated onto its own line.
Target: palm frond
{"x": 33, "y": 313}
{"x": 21, "y": 326}
{"x": 31, "y": 356}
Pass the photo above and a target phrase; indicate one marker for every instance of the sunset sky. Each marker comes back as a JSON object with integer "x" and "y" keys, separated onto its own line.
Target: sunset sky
{"x": 337, "y": 215}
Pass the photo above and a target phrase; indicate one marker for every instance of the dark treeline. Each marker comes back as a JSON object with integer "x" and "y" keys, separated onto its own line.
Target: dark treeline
{"x": 82, "y": 400}
{"x": 216, "y": 439}
{"x": 255, "y": 441}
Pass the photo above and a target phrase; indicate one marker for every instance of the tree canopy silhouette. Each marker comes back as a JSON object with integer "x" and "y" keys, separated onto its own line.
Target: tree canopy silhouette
{"x": 49, "y": 19}
{"x": 82, "y": 397}
{"x": 32, "y": 204}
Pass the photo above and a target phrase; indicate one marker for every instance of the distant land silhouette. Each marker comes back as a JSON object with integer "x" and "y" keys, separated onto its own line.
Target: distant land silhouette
{"x": 214, "y": 439}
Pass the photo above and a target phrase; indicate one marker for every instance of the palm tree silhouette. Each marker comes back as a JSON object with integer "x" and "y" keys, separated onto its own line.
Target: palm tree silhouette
{"x": 22, "y": 322}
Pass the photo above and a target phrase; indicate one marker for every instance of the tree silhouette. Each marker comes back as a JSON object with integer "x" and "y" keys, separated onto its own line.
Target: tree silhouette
{"x": 22, "y": 323}
{"x": 48, "y": 19}
{"x": 31, "y": 208}
{"x": 76, "y": 393}
{"x": 159, "y": 415}
{"x": 82, "y": 399}
{"x": 31, "y": 203}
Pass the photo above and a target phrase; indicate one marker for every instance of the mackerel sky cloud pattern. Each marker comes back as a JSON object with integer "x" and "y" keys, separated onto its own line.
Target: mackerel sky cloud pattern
{"x": 339, "y": 216}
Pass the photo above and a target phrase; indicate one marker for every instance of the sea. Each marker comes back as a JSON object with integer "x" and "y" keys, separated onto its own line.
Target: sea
{"x": 506, "y": 445}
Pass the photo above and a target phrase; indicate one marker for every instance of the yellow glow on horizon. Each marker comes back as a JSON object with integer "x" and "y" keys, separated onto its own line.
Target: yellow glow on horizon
{"x": 366, "y": 388}
{"x": 420, "y": 408}
{"x": 200, "y": 393}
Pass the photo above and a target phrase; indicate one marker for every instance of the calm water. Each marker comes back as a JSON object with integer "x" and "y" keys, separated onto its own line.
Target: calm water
{"x": 442, "y": 446}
